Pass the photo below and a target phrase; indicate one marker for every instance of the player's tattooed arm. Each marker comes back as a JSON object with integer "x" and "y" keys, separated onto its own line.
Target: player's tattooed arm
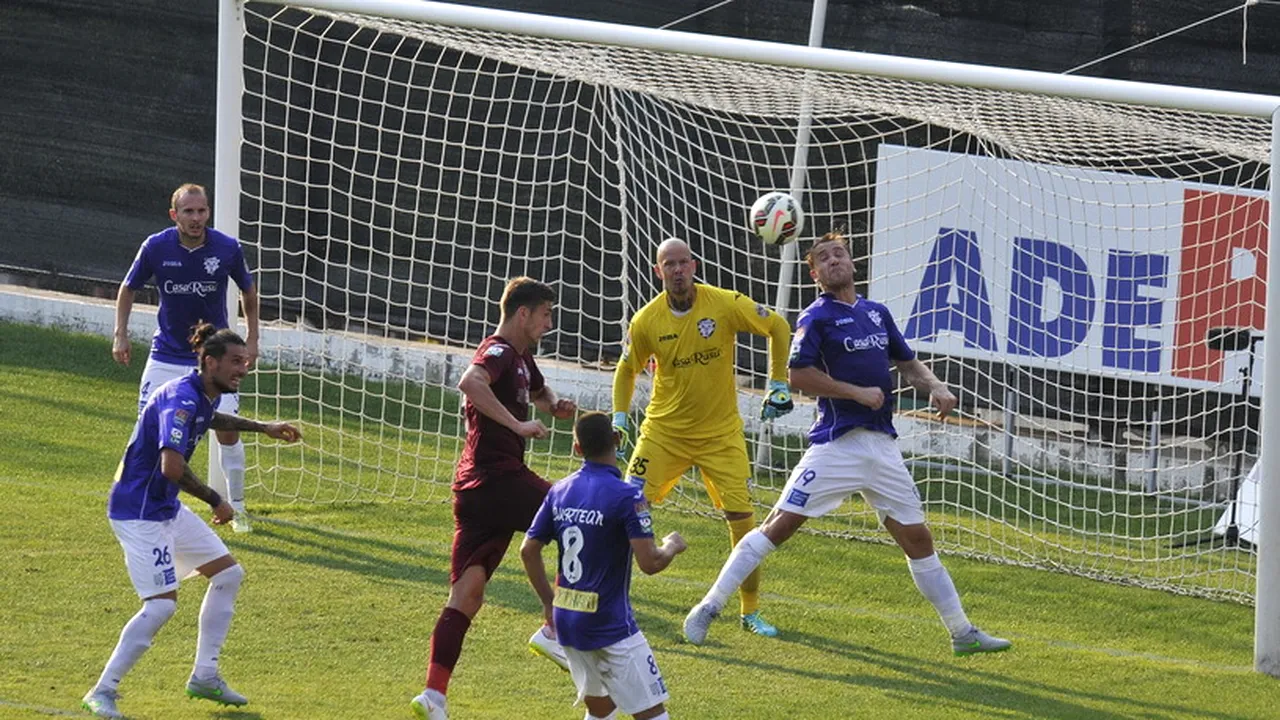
{"x": 222, "y": 421}
{"x": 193, "y": 485}
{"x": 178, "y": 472}
{"x": 278, "y": 430}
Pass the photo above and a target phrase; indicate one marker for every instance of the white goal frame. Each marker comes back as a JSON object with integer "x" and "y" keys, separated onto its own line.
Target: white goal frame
{"x": 229, "y": 142}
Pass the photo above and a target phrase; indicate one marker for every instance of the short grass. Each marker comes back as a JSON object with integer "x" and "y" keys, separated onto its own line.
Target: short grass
{"x": 335, "y": 617}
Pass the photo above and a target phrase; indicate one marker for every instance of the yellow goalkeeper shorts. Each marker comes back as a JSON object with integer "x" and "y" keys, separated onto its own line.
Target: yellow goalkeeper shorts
{"x": 660, "y": 460}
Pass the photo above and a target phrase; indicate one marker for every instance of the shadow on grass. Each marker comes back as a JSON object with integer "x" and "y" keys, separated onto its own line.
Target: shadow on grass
{"x": 914, "y": 678}
{"x": 384, "y": 559}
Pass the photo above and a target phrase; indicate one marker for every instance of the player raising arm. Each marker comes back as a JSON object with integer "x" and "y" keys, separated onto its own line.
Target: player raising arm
{"x": 691, "y": 331}
{"x": 843, "y": 347}
{"x": 598, "y": 522}
{"x": 162, "y": 540}
{"x": 192, "y": 265}
{"x": 494, "y": 493}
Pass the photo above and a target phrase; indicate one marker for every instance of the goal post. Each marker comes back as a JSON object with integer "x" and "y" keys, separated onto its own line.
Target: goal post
{"x": 1067, "y": 252}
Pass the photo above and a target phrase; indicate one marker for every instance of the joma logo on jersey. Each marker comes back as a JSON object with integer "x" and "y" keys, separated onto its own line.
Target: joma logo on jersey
{"x": 701, "y": 357}
{"x": 668, "y": 336}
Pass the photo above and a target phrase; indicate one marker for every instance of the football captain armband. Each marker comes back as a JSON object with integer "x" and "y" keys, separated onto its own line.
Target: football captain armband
{"x": 578, "y": 600}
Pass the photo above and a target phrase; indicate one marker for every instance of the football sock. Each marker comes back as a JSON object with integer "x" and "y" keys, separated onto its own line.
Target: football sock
{"x": 446, "y": 646}
{"x": 935, "y": 584}
{"x": 749, "y": 590}
{"x": 745, "y": 558}
{"x": 135, "y": 638}
{"x": 611, "y": 716}
{"x": 215, "y": 619}
{"x": 232, "y": 457}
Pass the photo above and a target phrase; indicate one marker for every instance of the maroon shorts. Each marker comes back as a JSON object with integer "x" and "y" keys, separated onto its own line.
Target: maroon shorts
{"x": 485, "y": 518}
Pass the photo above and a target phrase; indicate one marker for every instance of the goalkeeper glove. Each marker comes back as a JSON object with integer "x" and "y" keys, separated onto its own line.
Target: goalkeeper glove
{"x": 622, "y": 429}
{"x": 778, "y": 402}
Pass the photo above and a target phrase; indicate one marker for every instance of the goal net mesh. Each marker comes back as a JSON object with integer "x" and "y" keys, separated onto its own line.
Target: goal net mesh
{"x": 1085, "y": 275}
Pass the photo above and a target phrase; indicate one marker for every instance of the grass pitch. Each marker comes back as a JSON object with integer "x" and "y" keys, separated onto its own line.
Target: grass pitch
{"x": 340, "y": 599}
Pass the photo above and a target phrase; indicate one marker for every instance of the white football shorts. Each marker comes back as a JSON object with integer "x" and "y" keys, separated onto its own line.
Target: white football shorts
{"x": 624, "y": 671}
{"x": 160, "y": 553}
{"x": 862, "y": 461}
{"x": 157, "y": 373}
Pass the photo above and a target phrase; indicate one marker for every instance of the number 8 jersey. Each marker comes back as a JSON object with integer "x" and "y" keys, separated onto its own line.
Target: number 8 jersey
{"x": 592, "y": 516}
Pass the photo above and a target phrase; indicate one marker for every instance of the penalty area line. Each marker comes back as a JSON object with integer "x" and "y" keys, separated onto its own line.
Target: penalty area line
{"x": 40, "y": 709}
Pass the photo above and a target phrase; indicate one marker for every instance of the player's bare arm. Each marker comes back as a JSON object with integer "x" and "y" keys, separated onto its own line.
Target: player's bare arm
{"x": 249, "y": 299}
{"x": 652, "y": 559}
{"x": 120, "y": 347}
{"x": 177, "y": 471}
{"x": 475, "y": 384}
{"x": 278, "y": 430}
{"x": 815, "y": 383}
{"x": 548, "y": 402}
{"x": 536, "y": 569}
{"x": 920, "y": 377}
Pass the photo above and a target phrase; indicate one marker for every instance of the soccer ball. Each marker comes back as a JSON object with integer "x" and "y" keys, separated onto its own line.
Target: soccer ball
{"x": 776, "y": 218}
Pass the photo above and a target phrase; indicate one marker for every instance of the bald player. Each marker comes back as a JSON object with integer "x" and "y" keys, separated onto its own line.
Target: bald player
{"x": 691, "y": 329}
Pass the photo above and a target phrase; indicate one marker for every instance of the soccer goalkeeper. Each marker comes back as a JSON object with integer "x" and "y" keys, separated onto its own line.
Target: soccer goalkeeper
{"x": 691, "y": 330}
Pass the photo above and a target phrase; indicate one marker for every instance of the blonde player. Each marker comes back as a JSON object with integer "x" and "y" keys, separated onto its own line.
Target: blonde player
{"x": 691, "y": 330}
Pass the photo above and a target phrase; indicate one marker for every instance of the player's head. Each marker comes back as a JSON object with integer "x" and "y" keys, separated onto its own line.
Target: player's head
{"x": 830, "y": 264}
{"x": 527, "y": 304}
{"x": 223, "y": 356}
{"x": 189, "y": 210}
{"x": 675, "y": 266}
{"x": 594, "y": 438}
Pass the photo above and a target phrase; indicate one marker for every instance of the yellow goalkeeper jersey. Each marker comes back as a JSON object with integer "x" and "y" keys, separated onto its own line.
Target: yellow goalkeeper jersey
{"x": 694, "y": 392}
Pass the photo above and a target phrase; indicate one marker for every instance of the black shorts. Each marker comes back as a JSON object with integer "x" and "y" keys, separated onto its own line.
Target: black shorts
{"x": 485, "y": 518}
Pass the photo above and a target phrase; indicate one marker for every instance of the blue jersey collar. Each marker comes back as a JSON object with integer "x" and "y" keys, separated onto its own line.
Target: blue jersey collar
{"x": 602, "y": 467}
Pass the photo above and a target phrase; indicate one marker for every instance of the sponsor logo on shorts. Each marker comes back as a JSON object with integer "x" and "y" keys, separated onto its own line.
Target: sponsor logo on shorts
{"x": 797, "y": 498}
{"x": 170, "y": 576}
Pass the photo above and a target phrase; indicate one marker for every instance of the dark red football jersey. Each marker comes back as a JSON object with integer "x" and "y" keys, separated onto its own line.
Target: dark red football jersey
{"x": 492, "y": 450}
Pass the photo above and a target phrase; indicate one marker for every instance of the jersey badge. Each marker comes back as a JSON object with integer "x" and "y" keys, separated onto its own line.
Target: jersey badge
{"x": 761, "y": 310}
{"x": 706, "y": 326}
{"x": 495, "y": 350}
{"x": 875, "y": 316}
{"x": 180, "y": 417}
{"x": 211, "y": 264}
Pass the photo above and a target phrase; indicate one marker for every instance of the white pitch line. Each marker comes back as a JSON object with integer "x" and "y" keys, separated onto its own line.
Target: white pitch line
{"x": 41, "y": 709}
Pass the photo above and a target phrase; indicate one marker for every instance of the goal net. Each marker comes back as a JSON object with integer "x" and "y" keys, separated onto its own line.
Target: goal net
{"x": 1088, "y": 276}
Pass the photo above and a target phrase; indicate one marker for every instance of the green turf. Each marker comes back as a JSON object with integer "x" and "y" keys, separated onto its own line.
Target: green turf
{"x": 340, "y": 598}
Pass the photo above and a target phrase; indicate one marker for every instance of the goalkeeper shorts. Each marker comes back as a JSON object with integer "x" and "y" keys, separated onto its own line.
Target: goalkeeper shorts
{"x": 659, "y": 461}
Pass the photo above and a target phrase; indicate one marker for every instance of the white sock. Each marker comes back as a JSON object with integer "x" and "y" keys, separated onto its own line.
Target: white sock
{"x": 611, "y": 716}
{"x": 135, "y": 638}
{"x": 750, "y": 551}
{"x": 215, "y": 619}
{"x": 437, "y": 698}
{"x": 232, "y": 457}
{"x": 935, "y": 584}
